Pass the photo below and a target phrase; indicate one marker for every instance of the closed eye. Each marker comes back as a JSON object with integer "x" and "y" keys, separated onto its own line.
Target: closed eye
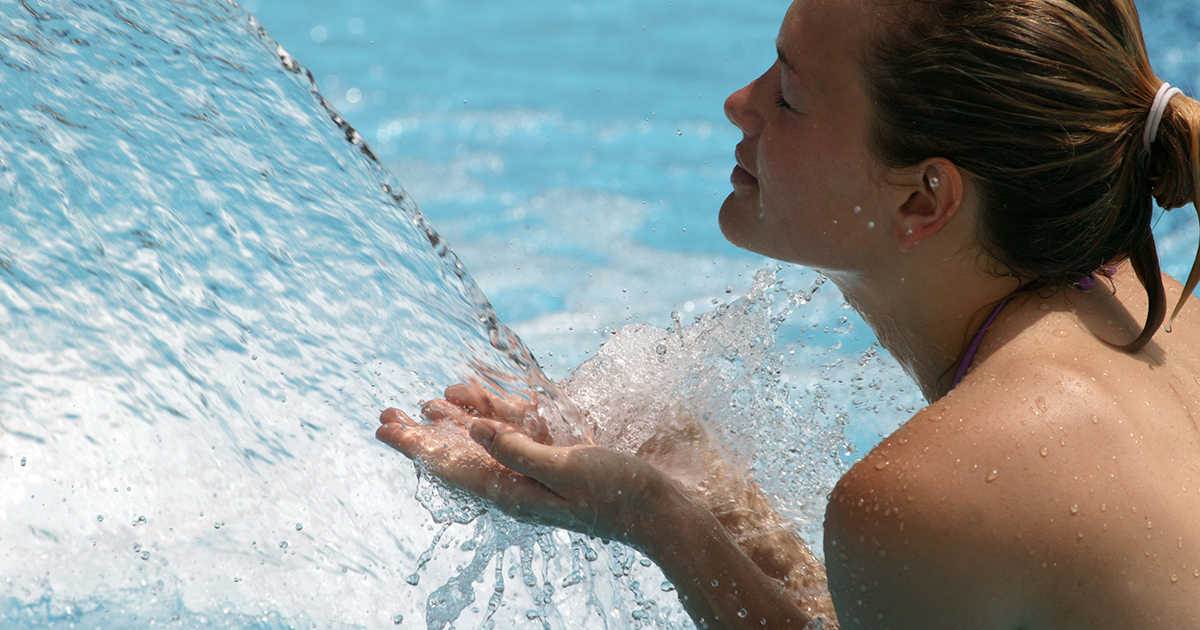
{"x": 780, "y": 101}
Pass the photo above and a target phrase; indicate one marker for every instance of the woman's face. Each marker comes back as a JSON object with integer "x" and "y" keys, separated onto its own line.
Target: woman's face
{"x": 806, "y": 188}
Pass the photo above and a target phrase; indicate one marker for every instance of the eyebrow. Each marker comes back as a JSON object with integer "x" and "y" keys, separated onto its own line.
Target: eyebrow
{"x": 783, "y": 59}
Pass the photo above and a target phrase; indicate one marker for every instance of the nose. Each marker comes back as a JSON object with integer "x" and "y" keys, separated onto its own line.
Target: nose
{"x": 740, "y": 111}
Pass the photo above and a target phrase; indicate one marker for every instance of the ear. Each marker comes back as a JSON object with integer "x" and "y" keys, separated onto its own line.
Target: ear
{"x": 937, "y": 193}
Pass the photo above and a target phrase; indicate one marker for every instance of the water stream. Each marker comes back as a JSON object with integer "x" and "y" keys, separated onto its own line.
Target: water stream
{"x": 210, "y": 287}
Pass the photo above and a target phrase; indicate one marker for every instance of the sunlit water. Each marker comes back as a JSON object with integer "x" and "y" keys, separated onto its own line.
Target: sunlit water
{"x": 210, "y": 288}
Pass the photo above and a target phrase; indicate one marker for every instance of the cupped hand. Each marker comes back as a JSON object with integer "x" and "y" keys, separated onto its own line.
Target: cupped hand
{"x": 492, "y": 447}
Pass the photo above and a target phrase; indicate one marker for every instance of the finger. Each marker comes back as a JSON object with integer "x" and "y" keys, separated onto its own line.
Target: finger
{"x": 446, "y": 452}
{"x": 395, "y": 416}
{"x": 402, "y": 436}
{"x": 474, "y": 397}
{"x": 517, "y": 451}
{"x": 436, "y": 410}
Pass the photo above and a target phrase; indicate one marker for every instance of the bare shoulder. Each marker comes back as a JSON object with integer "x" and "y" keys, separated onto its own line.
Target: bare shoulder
{"x": 969, "y": 515}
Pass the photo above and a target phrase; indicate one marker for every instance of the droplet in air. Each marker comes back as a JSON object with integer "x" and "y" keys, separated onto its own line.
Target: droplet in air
{"x": 413, "y": 579}
{"x": 398, "y": 619}
{"x": 741, "y": 613}
{"x": 99, "y": 518}
{"x": 857, "y": 209}
{"x": 870, "y": 225}
{"x": 22, "y": 461}
{"x": 992, "y": 475}
{"x": 283, "y": 544}
{"x": 299, "y": 527}
{"x": 679, "y": 133}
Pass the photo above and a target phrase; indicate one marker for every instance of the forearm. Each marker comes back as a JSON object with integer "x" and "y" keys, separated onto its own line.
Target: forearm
{"x": 721, "y": 583}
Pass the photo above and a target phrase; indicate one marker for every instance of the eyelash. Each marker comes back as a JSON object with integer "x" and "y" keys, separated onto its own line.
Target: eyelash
{"x": 779, "y": 101}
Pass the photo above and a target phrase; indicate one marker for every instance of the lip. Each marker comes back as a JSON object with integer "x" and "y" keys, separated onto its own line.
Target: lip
{"x": 742, "y": 176}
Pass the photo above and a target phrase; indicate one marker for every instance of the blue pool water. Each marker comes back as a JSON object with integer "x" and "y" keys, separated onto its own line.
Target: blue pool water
{"x": 209, "y": 288}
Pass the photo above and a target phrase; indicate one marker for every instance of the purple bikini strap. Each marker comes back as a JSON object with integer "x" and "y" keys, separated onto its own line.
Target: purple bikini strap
{"x": 965, "y": 364}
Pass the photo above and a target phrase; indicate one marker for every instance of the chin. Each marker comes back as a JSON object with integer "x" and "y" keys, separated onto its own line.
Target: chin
{"x": 736, "y": 227}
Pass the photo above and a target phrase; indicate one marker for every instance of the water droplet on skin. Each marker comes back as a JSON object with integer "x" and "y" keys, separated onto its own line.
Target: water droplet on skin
{"x": 1074, "y": 509}
{"x": 992, "y": 475}
{"x": 1045, "y": 452}
{"x": 1060, "y": 333}
{"x": 1041, "y": 403}
{"x": 881, "y": 465}
{"x": 1095, "y": 420}
{"x": 1103, "y": 507}
{"x": 1149, "y": 525}
{"x": 1174, "y": 578}
{"x": 1080, "y": 535}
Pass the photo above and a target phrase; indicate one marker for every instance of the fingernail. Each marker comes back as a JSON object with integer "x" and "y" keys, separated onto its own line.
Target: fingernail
{"x": 483, "y": 433}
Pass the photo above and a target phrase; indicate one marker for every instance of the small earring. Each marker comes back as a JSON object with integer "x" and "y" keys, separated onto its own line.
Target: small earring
{"x": 934, "y": 182}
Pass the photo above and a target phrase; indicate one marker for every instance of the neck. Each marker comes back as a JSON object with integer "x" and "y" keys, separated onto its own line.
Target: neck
{"x": 926, "y": 316}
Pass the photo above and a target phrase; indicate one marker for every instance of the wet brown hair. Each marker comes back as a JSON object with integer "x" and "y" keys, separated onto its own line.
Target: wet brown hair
{"x": 1043, "y": 103}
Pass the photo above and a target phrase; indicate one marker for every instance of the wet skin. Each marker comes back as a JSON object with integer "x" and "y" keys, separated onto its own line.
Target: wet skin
{"x": 1058, "y": 486}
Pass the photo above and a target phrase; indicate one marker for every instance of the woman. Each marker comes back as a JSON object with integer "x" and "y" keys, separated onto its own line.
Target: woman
{"x": 976, "y": 176}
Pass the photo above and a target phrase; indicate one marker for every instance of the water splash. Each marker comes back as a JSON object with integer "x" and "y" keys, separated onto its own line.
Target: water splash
{"x": 687, "y": 398}
{"x": 209, "y": 289}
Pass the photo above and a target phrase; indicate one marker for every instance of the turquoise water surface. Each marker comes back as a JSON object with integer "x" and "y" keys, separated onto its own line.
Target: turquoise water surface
{"x": 211, "y": 281}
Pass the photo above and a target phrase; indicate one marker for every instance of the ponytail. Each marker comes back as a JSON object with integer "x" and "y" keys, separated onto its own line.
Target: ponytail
{"x": 1044, "y": 103}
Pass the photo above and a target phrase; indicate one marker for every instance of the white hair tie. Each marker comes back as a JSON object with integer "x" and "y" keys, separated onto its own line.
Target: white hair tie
{"x": 1161, "y": 100}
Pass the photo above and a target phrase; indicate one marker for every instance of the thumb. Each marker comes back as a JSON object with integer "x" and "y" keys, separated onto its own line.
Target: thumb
{"x": 519, "y": 452}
